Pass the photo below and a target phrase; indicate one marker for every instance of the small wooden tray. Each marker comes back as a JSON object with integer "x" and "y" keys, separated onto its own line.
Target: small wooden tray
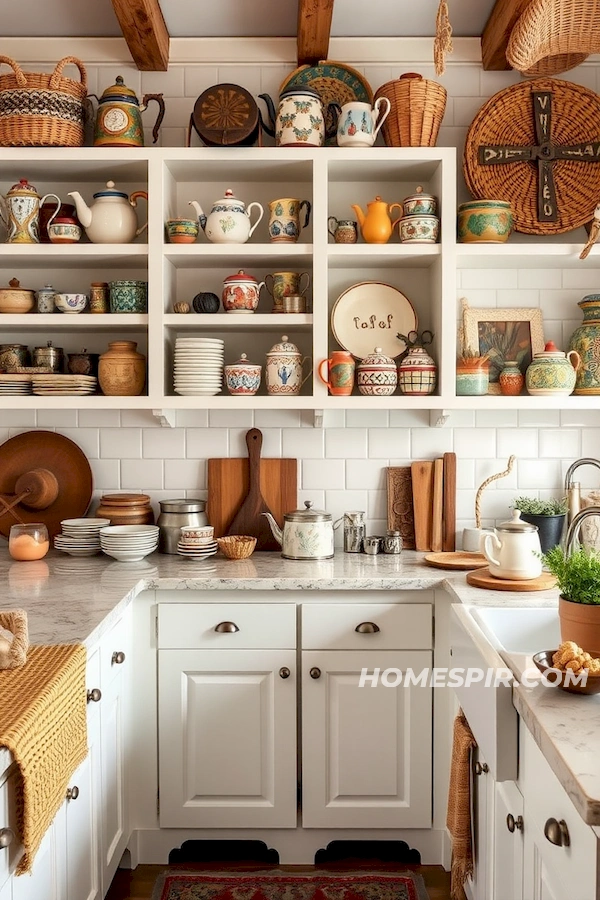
{"x": 484, "y": 579}
{"x": 458, "y": 559}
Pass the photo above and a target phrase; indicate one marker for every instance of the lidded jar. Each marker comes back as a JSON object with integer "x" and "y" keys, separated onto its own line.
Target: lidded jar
{"x": 241, "y": 293}
{"x": 377, "y": 375}
{"x": 45, "y": 299}
{"x": 49, "y": 356}
{"x": 420, "y": 204}
{"x": 552, "y": 372}
{"x": 175, "y": 515}
{"x": 284, "y": 370}
{"x": 121, "y": 370}
{"x": 242, "y": 377}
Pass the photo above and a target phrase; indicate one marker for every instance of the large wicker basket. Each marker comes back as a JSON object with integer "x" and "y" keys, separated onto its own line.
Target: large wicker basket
{"x": 553, "y": 36}
{"x": 417, "y": 110}
{"x": 42, "y": 110}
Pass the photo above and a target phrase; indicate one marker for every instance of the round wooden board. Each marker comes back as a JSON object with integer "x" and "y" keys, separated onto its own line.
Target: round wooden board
{"x": 226, "y": 114}
{"x": 458, "y": 559}
{"x": 483, "y": 579}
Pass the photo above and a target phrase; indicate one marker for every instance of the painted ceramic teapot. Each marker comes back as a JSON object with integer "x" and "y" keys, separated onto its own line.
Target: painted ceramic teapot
{"x": 229, "y": 219}
{"x": 111, "y": 219}
{"x": 517, "y": 549}
{"x": 300, "y": 119}
{"x": 306, "y": 534}
{"x": 552, "y": 372}
{"x": 20, "y": 212}
{"x": 376, "y": 226}
{"x": 119, "y": 117}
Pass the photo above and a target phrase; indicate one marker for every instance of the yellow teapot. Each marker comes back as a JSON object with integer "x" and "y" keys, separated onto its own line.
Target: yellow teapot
{"x": 376, "y": 226}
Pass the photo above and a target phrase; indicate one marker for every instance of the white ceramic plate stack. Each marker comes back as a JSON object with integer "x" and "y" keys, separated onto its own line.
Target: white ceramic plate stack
{"x": 80, "y": 537}
{"x": 63, "y": 385}
{"x": 198, "y": 368}
{"x": 199, "y": 551}
{"x": 15, "y": 384}
{"x": 129, "y": 543}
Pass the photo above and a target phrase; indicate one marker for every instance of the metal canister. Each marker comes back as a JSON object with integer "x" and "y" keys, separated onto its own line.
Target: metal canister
{"x": 12, "y": 355}
{"x": 392, "y": 542}
{"x": 174, "y": 514}
{"x": 49, "y": 356}
{"x": 354, "y": 531}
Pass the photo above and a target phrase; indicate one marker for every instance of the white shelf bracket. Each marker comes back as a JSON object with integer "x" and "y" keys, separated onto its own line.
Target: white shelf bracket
{"x": 318, "y": 418}
{"x": 438, "y": 417}
{"x": 166, "y": 417}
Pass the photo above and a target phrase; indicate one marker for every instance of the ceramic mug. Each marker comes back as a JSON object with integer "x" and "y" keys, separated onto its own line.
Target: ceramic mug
{"x": 284, "y": 284}
{"x": 343, "y": 231}
{"x": 284, "y": 219}
{"x": 182, "y": 231}
{"x": 341, "y": 367}
{"x": 359, "y": 123}
{"x": 472, "y": 539}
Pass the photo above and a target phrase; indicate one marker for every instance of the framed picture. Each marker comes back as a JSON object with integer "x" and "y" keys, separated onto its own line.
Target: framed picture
{"x": 504, "y": 334}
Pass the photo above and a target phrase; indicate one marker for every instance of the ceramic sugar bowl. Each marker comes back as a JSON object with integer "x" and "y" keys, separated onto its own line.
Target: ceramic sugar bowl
{"x": 241, "y": 293}
{"x": 242, "y": 377}
{"x": 552, "y": 372}
{"x": 284, "y": 371}
{"x": 377, "y": 375}
{"x": 513, "y": 550}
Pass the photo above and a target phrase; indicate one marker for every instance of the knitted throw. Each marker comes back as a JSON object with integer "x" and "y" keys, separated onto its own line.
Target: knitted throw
{"x": 458, "y": 820}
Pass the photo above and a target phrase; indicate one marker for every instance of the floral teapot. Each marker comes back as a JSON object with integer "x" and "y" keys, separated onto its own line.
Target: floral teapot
{"x": 300, "y": 119}
{"x": 111, "y": 219}
{"x": 229, "y": 219}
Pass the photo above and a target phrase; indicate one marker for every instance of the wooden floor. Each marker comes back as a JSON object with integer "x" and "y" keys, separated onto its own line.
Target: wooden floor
{"x": 138, "y": 884}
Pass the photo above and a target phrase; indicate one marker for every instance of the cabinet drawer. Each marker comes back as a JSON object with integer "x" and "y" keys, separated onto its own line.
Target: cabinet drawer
{"x": 193, "y": 626}
{"x": 333, "y": 626}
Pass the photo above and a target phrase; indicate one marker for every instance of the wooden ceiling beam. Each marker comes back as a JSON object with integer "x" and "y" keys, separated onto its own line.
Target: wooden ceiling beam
{"x": 145, "y": 31}
{"x": 314, "y": 27}
{"x": 497, "y": 31}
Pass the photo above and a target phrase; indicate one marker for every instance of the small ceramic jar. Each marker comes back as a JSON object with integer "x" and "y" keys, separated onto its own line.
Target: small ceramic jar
{"x": 129, "y": 296}
{"x": 377, "y": 375}
{"x": 64, "y": 230}
{"x": 242, "y": 377}
{"x": 419, "y": 229}
{"x": 417, "y": 373}
{"x": 472, "y": 378}
{"x": 485, "y": 222}
{"x": 552, "y": 372}
{"x": 420, "y": 204}
{"x": 45, "y": 299}
{"x": 284, "y": 371}
{"x": 241, "y": 293}
{"x": 511, "y": 379}
{"x": 99, "y": 297}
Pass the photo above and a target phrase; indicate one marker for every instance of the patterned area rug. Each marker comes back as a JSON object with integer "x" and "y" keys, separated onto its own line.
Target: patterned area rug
{"x": 278, "y": 885}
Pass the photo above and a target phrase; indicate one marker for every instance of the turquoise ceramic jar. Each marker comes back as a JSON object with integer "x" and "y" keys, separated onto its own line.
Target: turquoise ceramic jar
{"x": 129, "y": 296}
{"x": 586, "y": 341}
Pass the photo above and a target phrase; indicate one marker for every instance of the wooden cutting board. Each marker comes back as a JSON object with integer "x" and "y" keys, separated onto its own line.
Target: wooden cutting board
{"x": 483, "y": 579}
{"x": 438, "y": 506}
{"x": 229, "y": 483}
{"x": 422, "y": 492}
{"x": 456, "y": 560}
{"x": 449, "y": 522}
{"x": 400, "y": 516}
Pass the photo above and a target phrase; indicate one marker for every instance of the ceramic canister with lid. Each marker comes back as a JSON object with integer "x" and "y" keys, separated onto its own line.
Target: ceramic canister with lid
{"x": 284, "y": 369}
{"x": 241, "y": 293}
{"x": 52, "y": 357}
{"x": 377, "y": 375}
{"x": 242, "y": 377}
{"x": 175, "y": 515}
{"x": 45, "y": 299}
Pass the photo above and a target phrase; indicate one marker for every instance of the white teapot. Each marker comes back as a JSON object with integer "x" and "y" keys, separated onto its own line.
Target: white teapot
{"x": 517, "y": 547}
{"x": 228, "y": 222}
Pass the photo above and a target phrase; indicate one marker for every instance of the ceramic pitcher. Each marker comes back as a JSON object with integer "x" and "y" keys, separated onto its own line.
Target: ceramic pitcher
{"x": 20, "y": 212}
{"x": 359, "y": 123}
{"x": 284, "y": 219}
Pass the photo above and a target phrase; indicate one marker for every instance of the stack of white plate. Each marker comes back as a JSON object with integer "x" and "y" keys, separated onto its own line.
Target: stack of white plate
{"x": 201, "y": 551}
{"x": 80, "y": 537}
{"x": 63, "y": 385}
{"x": 15, "y": 384}
{"x": 129, "y": 543}
{"x": 198, "y": 368}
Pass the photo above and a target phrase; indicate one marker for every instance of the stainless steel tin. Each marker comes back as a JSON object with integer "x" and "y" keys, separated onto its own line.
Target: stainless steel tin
{"x": 372, "y": 544}
{"x": 294, "y": 303}
{"x": 392, "y": 542}
{"x": 354, "y": 536}
{"x": 50, "y": 356}
{"x": 175, "y": 514}
{"x": 12, "y": 355}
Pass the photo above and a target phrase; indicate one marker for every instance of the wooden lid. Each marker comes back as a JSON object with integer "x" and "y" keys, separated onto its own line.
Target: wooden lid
{"x": 225, "y": 114}
{"x": 125, "y": 499}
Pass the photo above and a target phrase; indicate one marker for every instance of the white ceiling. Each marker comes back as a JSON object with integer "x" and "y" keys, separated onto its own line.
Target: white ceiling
{"x": 242, "y": 18}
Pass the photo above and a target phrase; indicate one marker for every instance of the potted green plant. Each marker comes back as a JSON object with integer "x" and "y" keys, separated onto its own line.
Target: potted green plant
{"x": 548, "y": 515}
{"x": 578, "y": 579}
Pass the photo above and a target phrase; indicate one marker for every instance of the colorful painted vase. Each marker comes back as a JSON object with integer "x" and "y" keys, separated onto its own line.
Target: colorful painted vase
{"x": 511, "y": 379}
{"x": 485, "y": 222}
{"x": 340, "y": 373}
{"x": 284, "y": 219}
{"x": 285, "y": 284}
{"x": 417, "y": 373}
{"x": 241, "y": 293}
{"x": 242, "y": 377}
{"x": 377, "y": 375}
{"x": 472, "y": 377}
{"x": 284, "y": 371}
{"x": 552, "y": 372}
{"x": 586, "y": 341}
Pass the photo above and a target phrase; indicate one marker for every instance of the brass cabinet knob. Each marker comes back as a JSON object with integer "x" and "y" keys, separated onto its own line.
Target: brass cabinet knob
{"x": 481, "y": 768}
{"x": 226, "y": 628}
{"x": 118, "y": 658}
{"x": 284, "y": 672}
{"x": 367, "y": 628}
{"x": 315, "y": 672}
{"x": 557, "y": 832}
{"x": 512, "y": 823}
{"x": 73, "y": 793}
{"x": 94, "y": 695}
{"x": 7, "y": 836}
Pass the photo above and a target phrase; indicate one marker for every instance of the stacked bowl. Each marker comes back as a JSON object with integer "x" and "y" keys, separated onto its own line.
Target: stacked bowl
{"x": 198, "y": 368}
{"x": 129, "y": 543}
{"x": 80, "y": 537}
{"x": 197, "y": 542}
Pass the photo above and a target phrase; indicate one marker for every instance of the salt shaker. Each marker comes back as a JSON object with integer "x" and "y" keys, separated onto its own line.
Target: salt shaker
{"x": 392, "y": 542}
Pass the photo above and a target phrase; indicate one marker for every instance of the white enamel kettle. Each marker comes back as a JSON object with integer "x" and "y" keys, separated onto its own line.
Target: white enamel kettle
{"x": 517, "y": 548}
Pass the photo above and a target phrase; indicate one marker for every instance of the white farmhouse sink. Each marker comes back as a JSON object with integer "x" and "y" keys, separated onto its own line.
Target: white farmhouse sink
{"x": 520, "y": 629}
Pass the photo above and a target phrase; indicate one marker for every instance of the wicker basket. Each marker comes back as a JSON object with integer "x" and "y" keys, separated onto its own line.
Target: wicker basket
{"x": 41, "y": 110}
{"x": 417, "y": 110}
{"x": 237, "y": 546}
{"x": 553, "y": 36}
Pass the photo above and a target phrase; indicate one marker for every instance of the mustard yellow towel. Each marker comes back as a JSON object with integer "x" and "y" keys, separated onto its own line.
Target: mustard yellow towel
{"x": 14, "y": 638}
{"x": 43, "y": 724}
{"x": 458, "y": 820}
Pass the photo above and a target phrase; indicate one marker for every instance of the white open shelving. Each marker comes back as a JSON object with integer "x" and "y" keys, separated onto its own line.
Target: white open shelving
{"x": 332, "y": 180}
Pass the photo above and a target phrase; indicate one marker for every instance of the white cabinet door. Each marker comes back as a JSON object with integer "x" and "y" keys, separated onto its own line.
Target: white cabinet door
{"x": 366, "y": 751}
{"x": 508, "y": 842}
{"x": 46, "y": 881}
{"x": 9, "y": 847}
{"x": 82, "y": 831}
{"x": 482, "y": 808}
{"x": 6, "y": 891}
{"x": 227, "y": 738}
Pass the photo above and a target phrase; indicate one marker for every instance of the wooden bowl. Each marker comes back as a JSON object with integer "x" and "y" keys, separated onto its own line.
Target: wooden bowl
{"x": 543, "y": 661}
{"x": 237, "y": 546}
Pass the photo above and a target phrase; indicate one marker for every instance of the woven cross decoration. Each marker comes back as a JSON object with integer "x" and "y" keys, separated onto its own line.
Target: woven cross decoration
{"x": 545, "y": 152}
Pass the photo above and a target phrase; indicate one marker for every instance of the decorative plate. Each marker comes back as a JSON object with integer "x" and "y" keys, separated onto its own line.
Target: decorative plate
{"x": 370, "y": 314}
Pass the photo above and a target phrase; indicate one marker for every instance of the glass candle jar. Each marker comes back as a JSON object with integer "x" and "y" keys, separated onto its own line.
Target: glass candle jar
{"x": 29, "y": 541}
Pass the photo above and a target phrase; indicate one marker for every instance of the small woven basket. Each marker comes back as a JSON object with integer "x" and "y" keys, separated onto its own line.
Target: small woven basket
{"x": 417, "y": 110}
{"x": 41, "y": 110}
{"x": 553, "y": 36}
{"x": 237, "y": 546}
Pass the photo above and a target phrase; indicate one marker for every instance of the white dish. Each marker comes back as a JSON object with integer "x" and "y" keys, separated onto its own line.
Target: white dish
{"x": 85, "y": 523}
{"x": 393, "y": 313}
{"x": 198, "y": 393}
{"x": 130, "y": 529}
{"x": 128, "y": 555}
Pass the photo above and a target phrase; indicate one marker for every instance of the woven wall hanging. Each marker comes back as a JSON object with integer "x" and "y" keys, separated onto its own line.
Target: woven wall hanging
{"x": 537, "y": 145}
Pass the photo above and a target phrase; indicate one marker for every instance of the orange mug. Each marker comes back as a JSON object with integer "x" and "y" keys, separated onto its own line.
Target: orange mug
{"x": 340, "y": 371}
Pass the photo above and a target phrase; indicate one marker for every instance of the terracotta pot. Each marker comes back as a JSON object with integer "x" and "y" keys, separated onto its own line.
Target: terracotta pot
{"x": 579, "y": 622}
{"x": 121, "y": 370}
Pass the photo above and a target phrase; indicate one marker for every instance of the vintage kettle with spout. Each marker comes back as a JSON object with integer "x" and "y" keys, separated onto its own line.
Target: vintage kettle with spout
{"x": 307, "y": 533}
{"x": 300, "y": 120}
{"x": 517, "y": 549}
{"x": 111, "y": 219}
{"x": 20, "y": 212}
{"x": 119, "y": 117}
{"x": 229, "y": 219}
{"x": 376, "y": 226}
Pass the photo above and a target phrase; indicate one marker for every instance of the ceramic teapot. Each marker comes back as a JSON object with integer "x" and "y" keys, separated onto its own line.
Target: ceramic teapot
{"x": 229, "y": 219}
{"x": 517, "y": 547}
{"x": 119, "y": 117}
{"x": 552, "y": 372}
{"x": 306, "y": 534}
{"x": 376, "y": 226}
{"x": 20, "y": 212}
{"x": 111, "y": 219}
{"x": 300, "y": 119}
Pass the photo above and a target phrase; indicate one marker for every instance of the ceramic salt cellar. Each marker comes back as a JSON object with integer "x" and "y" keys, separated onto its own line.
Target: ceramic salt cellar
{"x": 377, "y": 375}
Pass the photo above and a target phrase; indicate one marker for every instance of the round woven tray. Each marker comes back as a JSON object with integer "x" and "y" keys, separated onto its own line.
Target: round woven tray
{"x": 507, "y": 118}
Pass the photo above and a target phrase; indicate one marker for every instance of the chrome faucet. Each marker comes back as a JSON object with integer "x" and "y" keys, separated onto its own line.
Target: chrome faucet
{"x": 575, "y": 525}
{"x": 572, "y": 487}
